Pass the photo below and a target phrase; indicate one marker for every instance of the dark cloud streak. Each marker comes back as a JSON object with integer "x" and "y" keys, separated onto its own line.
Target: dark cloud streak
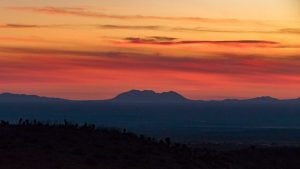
{"x": 174, "y": 41}
{"x": 225, "y": 64}
{"x": 31, "y": 26}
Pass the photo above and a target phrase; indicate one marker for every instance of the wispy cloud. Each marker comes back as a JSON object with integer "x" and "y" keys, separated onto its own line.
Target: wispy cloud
{"x": 151, "y": 40}
{"x": 18, "y": 26}
{"x": 290, "y": 30}
{"x": 82, "y": 12}
{"x": 155, "y": 27}
{"x": 199, "y": 29}
{"x": 225, "y": 64}
{"x": 9, "y": 25}
{"x": 134, "y": 27}
{"x": 174, "y": 41}
{"x": 275, "y": 31}
{"x": 131, "y": 27}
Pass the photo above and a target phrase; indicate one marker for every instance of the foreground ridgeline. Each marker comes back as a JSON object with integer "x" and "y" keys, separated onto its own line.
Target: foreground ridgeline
{"x": 34, "y": 145}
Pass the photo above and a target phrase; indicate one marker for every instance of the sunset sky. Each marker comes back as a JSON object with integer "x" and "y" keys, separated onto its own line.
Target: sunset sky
{"x": 203, "y": 49}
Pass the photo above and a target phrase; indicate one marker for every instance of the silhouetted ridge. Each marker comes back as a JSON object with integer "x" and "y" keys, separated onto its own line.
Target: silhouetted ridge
{"x": 263, "y": 99}
{"x": 10, "y": 97}
{"x": 34, "y": 145}
{"x": 149, "y": 96}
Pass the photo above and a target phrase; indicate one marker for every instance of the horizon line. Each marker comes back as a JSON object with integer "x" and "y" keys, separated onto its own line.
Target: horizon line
{"x": 189, "y": 99}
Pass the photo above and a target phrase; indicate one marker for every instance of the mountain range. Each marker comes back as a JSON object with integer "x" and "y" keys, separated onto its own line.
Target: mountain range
{"x": 157, "y": 113}
{"x": 136, "y": 96}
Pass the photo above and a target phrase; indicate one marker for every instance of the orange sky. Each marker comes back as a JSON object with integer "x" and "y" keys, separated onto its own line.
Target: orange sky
{"x": 204, "y": 49}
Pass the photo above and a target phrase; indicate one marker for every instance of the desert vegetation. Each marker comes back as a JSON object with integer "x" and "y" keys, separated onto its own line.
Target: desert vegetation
{"x": 36, "y": 145}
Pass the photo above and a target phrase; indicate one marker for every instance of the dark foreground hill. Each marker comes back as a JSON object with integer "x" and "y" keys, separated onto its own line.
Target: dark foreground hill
{"x": 42, "y": 146}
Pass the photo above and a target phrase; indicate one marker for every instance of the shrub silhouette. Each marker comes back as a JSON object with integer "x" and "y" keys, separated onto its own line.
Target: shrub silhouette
{"x": 35, "y": 145}
{"x": 168, "y": 141}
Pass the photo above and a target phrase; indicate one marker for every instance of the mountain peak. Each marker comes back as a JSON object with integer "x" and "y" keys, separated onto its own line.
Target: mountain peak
{"x": 149, "y": 96}
{"x": 264, "y": 98}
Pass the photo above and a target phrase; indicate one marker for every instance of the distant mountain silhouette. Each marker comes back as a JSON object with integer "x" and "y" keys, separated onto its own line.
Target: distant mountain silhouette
{"x": 23, "y": 98}
{"x": 263, "y": 99}
{"x": 171, "y": 96}
{"x": 134, "y": 96}
{"x": 146, "y": 108}
{"x": 149, "y": 96}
